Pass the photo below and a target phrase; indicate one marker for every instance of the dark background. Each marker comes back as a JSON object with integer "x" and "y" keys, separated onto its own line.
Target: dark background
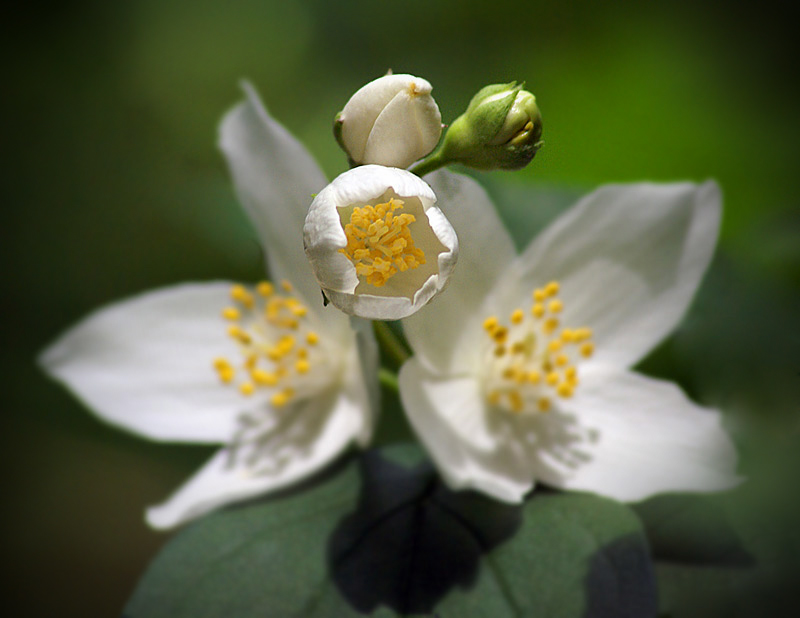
{"x": 112, "y": 184}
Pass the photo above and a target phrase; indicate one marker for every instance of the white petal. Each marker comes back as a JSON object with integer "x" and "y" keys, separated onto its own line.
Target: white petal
{"x": 363, "y": 375}
{"x": 643, "y": 436}
{"x": 324, "y": 236}
{"x": 407, "y": 129}
{"x": 275, "y": 179}
{"x": 446, "y": 333}
{"x": 145, "y": 364}
{"x": 629, "y": 259}
{"x": 313, "y": 434}
{"x": 470, "y": 451}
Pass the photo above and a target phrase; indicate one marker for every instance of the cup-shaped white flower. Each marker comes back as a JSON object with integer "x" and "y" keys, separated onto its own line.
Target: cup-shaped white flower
{"x": 522, "y": 370}
{"x": 378, "y": 245}
{"x": 390, "y": 121}
{"x": 284, "y": 387}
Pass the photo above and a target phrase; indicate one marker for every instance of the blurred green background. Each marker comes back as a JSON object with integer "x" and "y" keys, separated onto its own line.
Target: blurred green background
{"x": 113, "y": 185}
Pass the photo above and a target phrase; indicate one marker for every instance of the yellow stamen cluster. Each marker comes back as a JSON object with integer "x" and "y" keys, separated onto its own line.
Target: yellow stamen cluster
{"x": 533, "y": 361}
{"x": 274, "y": 339}
{"x": 379, "y": 242}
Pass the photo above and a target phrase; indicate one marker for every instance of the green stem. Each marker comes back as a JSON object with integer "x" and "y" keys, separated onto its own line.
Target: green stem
{"x": 432, "y": 163}
{"x": 390, "y": 343}
{"x": 388, "y": 379}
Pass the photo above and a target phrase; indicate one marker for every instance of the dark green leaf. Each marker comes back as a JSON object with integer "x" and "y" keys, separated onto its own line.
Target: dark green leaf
{"x": 400, "y": 543}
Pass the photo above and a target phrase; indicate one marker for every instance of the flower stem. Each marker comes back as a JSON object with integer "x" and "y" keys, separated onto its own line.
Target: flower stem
{"x": 388, "y": 379}
{"x": 432, "y": 163}
{"x": 390, "y": 343}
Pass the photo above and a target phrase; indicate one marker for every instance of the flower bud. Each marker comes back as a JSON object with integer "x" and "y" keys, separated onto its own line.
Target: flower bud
{"x": 392, "y": 121}
{"x": 378, "y": 245}
{"x": 501, "y": 129}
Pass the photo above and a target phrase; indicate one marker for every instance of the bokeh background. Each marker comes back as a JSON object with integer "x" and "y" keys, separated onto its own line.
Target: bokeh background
{"x": 112, "y": 185}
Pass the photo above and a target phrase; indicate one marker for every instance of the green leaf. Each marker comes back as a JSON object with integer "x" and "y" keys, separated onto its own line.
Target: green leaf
{"x": 396, "y": 542}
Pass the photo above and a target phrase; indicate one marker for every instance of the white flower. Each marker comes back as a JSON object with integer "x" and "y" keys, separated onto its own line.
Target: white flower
{"x": 391, "y": 121}
{"x": 378, "y": 245}
{"x": 283, "y": 386}
{"x": 522, "y": 368}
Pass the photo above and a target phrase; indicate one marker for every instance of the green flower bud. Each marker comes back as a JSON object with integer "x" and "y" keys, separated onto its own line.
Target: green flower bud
{"x": 501, "y": 129}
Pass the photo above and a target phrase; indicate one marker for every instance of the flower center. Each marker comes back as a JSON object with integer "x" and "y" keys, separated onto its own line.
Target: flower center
{"x": 279, "y": 351}
{"x": 379, "y": 242}
{"x": 534, "y": 360}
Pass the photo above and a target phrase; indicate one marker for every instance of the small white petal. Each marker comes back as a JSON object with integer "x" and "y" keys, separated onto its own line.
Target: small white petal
{"x": 312, "y": 435}
{"x": 391, "y": 121}
{"x": 470, "y": 450}
{"x": 642, "y": 436}
{"x": 276, "y": 179}
{"x": 324, "y": 238}
{"x": 146, "y": 364}
{"x": 629, "y": 259}
{"x": 447, "y": 333}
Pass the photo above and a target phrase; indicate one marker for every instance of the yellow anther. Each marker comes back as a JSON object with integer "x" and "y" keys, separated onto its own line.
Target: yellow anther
{"x": 518, "y": 347}
{"x": 231, "y": 313}
{"x": 516, "y": 316}
{"x": 312, "y": 338}
{"x": 534, "y": 377}
{"x": 500, "y": 334}
{"x": 561, "y": 360}
{"x": 515, "y": 401}
{"x": 539, "y": 295}
{"x": 499, "y": 351}
{"x": 224, "y": 369}
{"x": 543, "y": 404}
{"x": 564, "y": 390}
{"x": 302, "y": 353}
{"x": 490, "y": 323}
{"x": 265, "y": 289}
{"x": 571, "y": 373}
{"x": 267, "y": 378}
{"x": 550, "y": 325}
{"x": 567, "y": 335}
{"x": 587, "y": 349}
{"x": 537, "y": 310}
{"x": 509, "y": 373}
{"x": 551, "y": 289}
{"x": 555, "y": 306}
{"x": 302, "y": 366}
{"x": 286, "y": 286}
{"x": 247, "y": 388}
{"x": 299, "y": 310}
{"x": 379, "y": 242}
{"x": 582, "y": 334}
{"x": 552, "y": 378}
{"x": 240, "y": 294}
{"x": 285, "y": 344}
{"x": 237, "y": 333}
{"x": 250, "y": 361}
{"x": 282, "y": 398}
{"x": 494, "y": 398}
{"x": 554, "y": 345}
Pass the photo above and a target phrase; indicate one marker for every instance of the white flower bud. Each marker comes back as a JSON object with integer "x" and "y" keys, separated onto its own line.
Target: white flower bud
{"x": 378, "y": 246}
{"x": 391, "y": 121}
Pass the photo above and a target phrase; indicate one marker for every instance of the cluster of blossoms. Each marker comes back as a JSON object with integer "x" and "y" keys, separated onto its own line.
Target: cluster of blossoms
{"x": 521, "y": 366}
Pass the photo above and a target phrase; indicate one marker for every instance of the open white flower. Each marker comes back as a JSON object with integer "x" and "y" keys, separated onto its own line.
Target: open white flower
{"x": 390, "y": 121}
{"x": 285, "y": 386}
{"x": 522, "y": 368}
{"x": 378, "y": 245}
